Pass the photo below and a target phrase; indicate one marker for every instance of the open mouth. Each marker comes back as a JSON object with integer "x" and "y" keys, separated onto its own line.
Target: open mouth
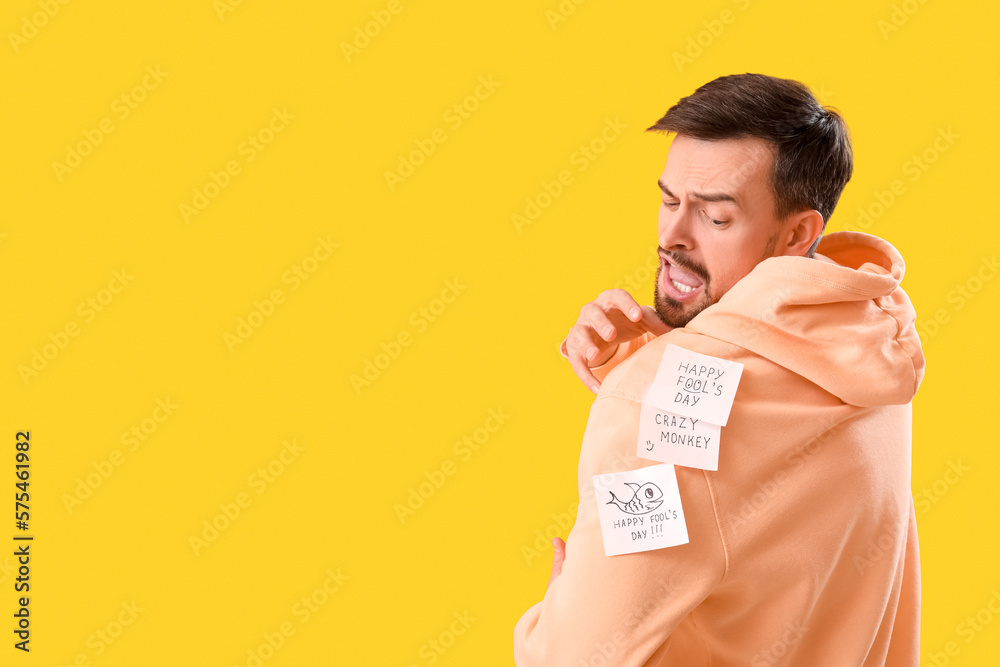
{"x": 679, "y": 284}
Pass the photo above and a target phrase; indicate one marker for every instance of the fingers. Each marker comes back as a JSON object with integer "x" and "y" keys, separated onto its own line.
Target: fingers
{"x": 559, "y": 550}
{"x": 619, "y": 299}
{"x": 607, "y": 309}
{"x": 613, "y": 316}
{"x": 594, "y": 316}
{"x": 583, "y": 341}
{"x": 582, "y": 370}
{"x": 558, "y": 557}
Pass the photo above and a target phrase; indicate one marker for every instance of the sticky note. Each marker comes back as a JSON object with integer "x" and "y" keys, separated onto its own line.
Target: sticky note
{"x": 695, "y": 385}
{"x": 672, "y": 438}
{"x": 640, "y": 510}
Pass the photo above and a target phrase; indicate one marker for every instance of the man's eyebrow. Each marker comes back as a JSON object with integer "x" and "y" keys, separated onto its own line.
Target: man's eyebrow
{"x": 704, "y": 196}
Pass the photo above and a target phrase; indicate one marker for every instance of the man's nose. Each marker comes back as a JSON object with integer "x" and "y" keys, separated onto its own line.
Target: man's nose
{"x": 675, "y": 228}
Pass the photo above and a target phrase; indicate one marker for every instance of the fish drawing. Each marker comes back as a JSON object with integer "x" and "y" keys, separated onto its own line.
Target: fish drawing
{"x": 645, "y": 498}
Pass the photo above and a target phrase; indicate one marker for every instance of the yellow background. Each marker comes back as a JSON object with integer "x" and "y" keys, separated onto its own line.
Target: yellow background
{"x": 468, "y": 549}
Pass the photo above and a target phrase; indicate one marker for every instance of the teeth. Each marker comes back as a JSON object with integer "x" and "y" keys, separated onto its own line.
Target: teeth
{"x": 683, "y": 289}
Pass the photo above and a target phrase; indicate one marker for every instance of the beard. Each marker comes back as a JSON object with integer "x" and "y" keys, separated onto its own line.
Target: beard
{"x": 673, "y": 313}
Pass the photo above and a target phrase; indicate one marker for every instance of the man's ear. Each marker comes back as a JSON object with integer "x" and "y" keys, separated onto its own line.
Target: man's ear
{"x": 799, "y": 232}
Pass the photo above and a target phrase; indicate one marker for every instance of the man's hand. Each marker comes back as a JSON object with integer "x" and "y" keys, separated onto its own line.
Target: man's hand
{"x": 609, "y": 320}
{"x": 558, "y": 556}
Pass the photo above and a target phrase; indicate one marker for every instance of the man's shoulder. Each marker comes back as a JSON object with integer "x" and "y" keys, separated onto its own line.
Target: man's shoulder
{"x": 629, "y": 378}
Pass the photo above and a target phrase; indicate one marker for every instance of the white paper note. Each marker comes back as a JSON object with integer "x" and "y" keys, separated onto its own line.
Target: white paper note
{"x": 695, "y": 385}
{"x": 672, "y": 438}
{"x": 640, "y": 510}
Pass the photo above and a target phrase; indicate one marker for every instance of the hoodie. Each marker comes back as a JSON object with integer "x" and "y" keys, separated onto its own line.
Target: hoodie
{"x": 802, "y": 547}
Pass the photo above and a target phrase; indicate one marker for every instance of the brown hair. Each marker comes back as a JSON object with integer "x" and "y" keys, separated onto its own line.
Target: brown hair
{"x": 812, "y": 149}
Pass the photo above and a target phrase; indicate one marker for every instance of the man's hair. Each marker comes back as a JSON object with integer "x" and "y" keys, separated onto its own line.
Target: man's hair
{"x": 811, "y": 147}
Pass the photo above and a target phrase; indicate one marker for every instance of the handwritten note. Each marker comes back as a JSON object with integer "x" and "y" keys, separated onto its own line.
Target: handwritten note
{"x": 695, "y": 385}
{"x": 672, "y": 438}
{"x": 640, "y": 510}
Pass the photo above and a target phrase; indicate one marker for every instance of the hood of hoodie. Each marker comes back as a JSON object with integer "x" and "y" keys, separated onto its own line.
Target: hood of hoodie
{"x": 840, "y": 319}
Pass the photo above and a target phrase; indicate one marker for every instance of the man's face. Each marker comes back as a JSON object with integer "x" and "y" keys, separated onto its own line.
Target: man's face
{"x": 716, "y": 222}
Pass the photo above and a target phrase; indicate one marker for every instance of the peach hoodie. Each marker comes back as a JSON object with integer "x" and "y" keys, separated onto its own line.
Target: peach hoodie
{"x": 803, "y": 546}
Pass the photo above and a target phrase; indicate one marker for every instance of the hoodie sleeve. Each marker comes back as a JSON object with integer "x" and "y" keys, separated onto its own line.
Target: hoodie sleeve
{"x": 624, "y": 607}
{"x": 623, "y": 352}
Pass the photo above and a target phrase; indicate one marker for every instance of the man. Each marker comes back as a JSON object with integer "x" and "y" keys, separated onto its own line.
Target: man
{"x": 801, "y": 547}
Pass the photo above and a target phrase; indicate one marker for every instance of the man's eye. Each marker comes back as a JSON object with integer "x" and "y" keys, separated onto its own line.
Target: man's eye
{"x": 670, "y": 204}
{"x": 717, "y": 223}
